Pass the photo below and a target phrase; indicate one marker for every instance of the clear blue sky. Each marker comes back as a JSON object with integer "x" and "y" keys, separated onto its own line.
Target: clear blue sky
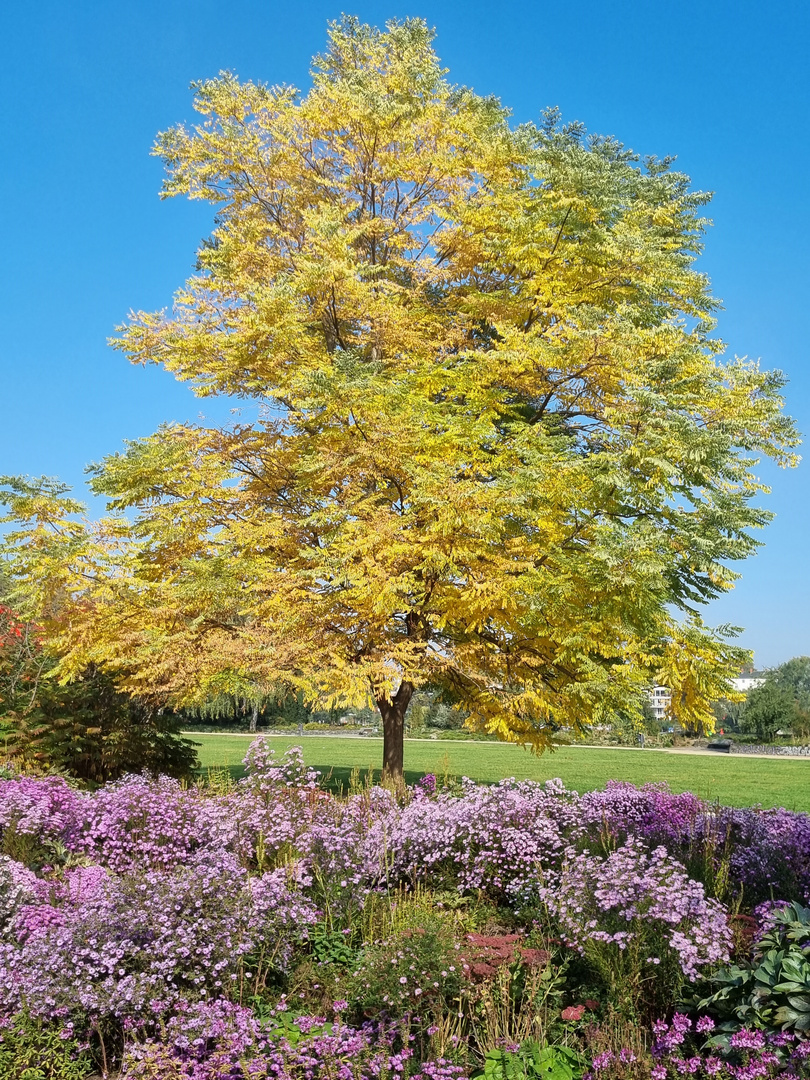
{"x": 86, "y": 85}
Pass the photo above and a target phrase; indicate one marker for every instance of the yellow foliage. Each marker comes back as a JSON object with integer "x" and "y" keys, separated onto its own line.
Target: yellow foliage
{"x": 494, "y": 448}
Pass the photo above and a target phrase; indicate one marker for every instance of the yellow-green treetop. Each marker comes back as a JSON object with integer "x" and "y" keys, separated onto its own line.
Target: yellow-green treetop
{"x": 496, "y": 451}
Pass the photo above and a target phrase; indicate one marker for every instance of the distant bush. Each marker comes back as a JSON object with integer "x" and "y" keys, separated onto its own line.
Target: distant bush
{"x": 88, "y": 728}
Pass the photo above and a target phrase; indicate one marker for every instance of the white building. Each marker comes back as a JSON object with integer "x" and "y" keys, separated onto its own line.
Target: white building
{"x": 660, "y": 699}
{"x": 748, "y": 682}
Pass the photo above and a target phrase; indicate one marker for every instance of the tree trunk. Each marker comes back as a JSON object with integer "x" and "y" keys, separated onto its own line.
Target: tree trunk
{"x": 393, "y": 712}
{"x": 254, "y": 717}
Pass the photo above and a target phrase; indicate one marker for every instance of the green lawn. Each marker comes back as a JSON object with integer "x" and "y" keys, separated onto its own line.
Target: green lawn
{"x": 736, "y": 781}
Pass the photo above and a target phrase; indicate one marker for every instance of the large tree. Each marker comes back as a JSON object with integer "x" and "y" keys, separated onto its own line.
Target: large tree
{"x": 496, "y": 449}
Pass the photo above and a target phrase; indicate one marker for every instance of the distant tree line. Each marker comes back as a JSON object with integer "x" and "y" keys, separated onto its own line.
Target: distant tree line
{"x": 282, "y": 707}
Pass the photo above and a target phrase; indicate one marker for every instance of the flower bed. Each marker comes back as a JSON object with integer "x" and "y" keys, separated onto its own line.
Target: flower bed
{"x": 267, "y": 928}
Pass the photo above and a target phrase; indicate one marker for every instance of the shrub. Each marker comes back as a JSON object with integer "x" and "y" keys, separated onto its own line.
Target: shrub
{"x": 686, "y": 1047}
{"x": 265, "y": 773}
{"x": 139, "y": 823}
{"x": 651, "y": 812}
{"x": 87, "y": 728}
{"x": 517, "y": 1002}
{"x": 346, "y": 851}
{"x": 495, "y": 838}
{"x": 220, "y": 1041}
{"x": 37, "y": 816}
{"x": 641, "y": 923}
{"x": 744, "y": 852}
{"x": 17, "y": 888}
{"x": 417, "y": 969}
{"x": 118, "y": 946}
{"x": 767, "y": 851}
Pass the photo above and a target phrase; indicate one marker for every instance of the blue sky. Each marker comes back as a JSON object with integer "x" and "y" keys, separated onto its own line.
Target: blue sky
{"x": 86, "y": 86}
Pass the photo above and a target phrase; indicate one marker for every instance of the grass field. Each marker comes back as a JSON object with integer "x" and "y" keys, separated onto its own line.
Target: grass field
{"x": 735, "y": 781}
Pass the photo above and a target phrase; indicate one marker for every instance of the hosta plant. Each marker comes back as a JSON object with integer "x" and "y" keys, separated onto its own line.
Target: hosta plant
{"x": 772, "y": 990}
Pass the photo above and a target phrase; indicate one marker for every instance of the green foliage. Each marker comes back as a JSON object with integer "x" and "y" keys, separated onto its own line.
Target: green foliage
{"x": 282, "y": 1025}
{"x": 248, "y": 704}
{"x": 532, "y": 1061}
{"x": 728, "y": 714}
{"x": 32, "y": 1049}
{"x": 415, "y": 968}
{"x": 782, "y": 702}
{"x": 331, "y": 947}
{"x": 90, "y": 730}
{"x": 650, "y": 722}
{"x": 443, "y": 717}
{"x": 794, "y": 677}
{"x": 428, "y": 710}
{"x": 518, "y": 1002}
{"x": 627, "y": 726}
{"x": 27, "y": 847}
{"x": 291, "y": 708}
{"x": 772, "y": 990}
{"x": 87, "y": 728}
{"x": 769, "y": 708}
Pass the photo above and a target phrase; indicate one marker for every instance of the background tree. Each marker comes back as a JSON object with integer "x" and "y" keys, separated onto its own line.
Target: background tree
{"x": 788, "y": 691}
{"x": 768, "y": 709}
{"x": 728, "y": 714}
{"x": 495, "y": 449}
{"x": 794, "y": 677}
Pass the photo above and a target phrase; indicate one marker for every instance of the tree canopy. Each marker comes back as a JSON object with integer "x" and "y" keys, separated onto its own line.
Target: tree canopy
{"x": 794, "y": 677}
{"x": 495, "y": 448}
{"x": 769, "y": 708}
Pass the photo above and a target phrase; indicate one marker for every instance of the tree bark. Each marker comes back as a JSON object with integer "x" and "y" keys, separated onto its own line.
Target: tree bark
{"x": 392, "y": 711}
{"x": 254, "y": 717}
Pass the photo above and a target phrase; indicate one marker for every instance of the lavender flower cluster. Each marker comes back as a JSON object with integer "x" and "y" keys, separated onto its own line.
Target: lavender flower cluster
{"x": 766, "y": 850}
{"x": 633, "y": 897}
{"x": 117, "y": 945}
{"x": 145, "y": 897}
{"x": 495, "y": 838}
{"x": 684, "y": 1047}
{"x": 220, "y": 1040}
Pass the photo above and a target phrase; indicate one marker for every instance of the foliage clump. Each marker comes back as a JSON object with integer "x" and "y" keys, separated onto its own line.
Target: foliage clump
{"x": 771, "y": 987}
{"x": 88, "y": 728}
